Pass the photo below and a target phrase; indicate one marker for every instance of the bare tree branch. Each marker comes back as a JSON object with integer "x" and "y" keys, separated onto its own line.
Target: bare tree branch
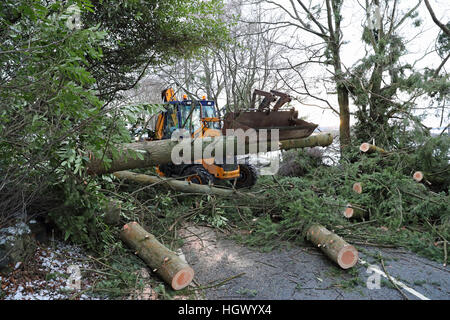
{"x": 436, "y": 21}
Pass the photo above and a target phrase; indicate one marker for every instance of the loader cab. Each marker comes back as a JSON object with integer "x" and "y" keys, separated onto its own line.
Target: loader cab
{"x": 170, "y": 121}
{"x": 201, "y": 119}
{"x": 182, "y": 115}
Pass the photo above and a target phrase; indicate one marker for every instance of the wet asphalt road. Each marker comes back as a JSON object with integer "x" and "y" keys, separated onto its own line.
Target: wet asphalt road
{"x": 303, "y": 273}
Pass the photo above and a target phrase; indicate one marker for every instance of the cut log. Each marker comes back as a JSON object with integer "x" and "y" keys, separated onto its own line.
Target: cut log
{"x": 354, "y": 212}
{"x": 342, "y": 253}
{"x": 357, "y": 187}
{"x": 183, "y": 186}
{"x": 432, "y": 178}
{"x": 167, "y": 264}
{"x": 370, "y": 148}
{"x": 418, "y": 176}
{"x": 152, "y": 153}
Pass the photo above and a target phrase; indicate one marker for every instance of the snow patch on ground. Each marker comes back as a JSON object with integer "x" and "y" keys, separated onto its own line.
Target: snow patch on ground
{"x": 54, "y": 273}
{"x": 10, "y": 233}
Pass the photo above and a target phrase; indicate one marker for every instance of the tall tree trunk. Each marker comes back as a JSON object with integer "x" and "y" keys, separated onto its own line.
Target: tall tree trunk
{"x": 344, "y": 116}
{"x": 334, "y": 43}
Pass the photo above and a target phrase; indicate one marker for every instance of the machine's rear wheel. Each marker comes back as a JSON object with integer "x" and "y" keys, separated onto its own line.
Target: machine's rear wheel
{"x": 198, "y": 174}
{"x": 248, "y": 176}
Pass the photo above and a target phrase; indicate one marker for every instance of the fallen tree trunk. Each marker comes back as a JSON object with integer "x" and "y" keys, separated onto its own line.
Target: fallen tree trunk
{"x": 183, "y": 186}
{"x": 370, "y": 148}
{"x": 167, "y": 264}
{"x": 152, "y": 153}
{"x": 354, "y": 212}
{"x": 344, "y": 254}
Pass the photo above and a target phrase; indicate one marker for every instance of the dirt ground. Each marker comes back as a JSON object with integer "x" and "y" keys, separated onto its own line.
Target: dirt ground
{"x": 233, "y": 271}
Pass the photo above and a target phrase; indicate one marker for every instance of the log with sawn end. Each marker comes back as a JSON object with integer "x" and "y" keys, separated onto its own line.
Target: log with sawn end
{"x": 370, "y": 148}
{"x": 336, "y": 248}
{"x": 354, "y": 212}
{"x": 358, "y": 187}
{"x": 166, "y": 263}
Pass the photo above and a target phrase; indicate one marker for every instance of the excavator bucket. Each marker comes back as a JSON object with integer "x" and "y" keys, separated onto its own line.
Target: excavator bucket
{"x": 263, "y": 117}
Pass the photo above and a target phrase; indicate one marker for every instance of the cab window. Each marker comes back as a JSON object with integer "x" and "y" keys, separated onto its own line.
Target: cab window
{"x": 209, "y": 111}
{"x": 171, "y": 122}
{"x": 196, "y": 123}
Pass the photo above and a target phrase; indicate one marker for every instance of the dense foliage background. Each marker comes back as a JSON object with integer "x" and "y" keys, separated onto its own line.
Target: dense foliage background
{"x": 62, "y": 63}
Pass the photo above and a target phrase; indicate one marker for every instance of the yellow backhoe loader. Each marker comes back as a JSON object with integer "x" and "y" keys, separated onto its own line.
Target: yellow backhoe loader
{"x": 200, "y": 118}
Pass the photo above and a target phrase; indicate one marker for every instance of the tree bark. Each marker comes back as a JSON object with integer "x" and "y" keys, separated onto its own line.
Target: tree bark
{"x": 183, "y": 186}
{"x": 167, "y": 264}
{"x": 154, "y": 153}
{"x": 344, "y": 116}
{"x": 322, "y": 140}
{"x": 344, "y": 254}
{"x": 334, "y": 44}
